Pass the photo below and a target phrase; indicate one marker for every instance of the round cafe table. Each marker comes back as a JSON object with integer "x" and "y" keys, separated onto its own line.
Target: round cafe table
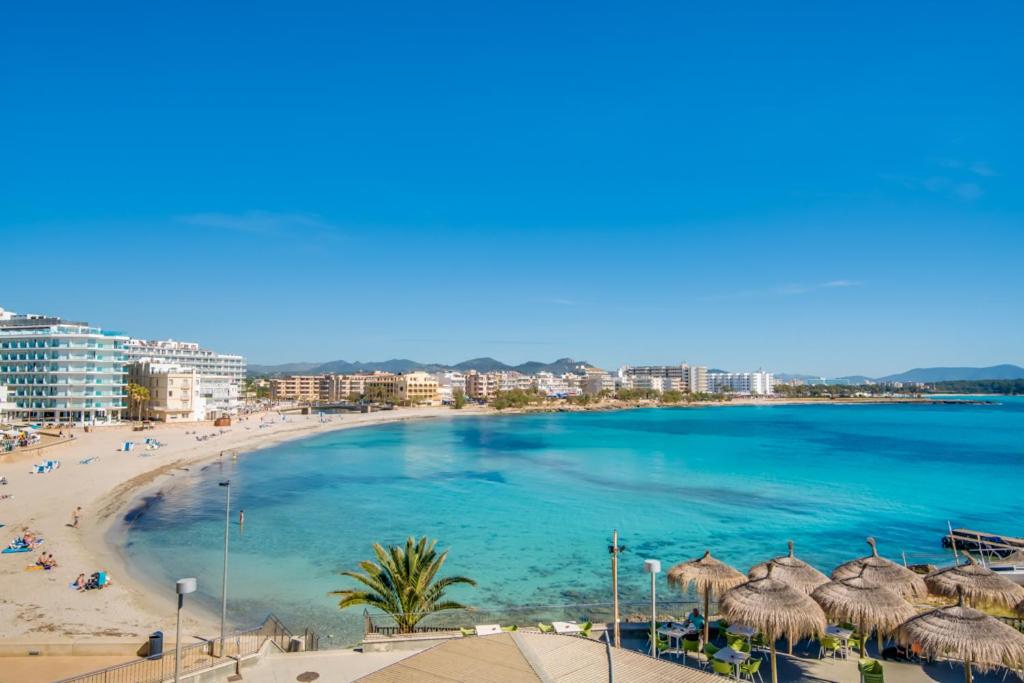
{"x": 731, "y": 656}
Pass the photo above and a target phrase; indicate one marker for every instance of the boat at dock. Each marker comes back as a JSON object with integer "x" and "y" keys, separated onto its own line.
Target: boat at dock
{"x": 1002, "y": 554}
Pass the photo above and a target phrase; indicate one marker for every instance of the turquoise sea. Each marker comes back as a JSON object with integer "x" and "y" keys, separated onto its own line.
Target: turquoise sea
{"x": 527, "y": 503}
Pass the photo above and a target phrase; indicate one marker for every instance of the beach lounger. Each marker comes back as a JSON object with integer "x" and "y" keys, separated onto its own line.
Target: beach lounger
{"x": 88, "y": 461}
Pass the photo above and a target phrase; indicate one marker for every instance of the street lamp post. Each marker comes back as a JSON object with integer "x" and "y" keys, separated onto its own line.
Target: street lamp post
{"x": 183, "y": 587}
{"x": 224, "y": 580}
{"x": 653, "y": 567}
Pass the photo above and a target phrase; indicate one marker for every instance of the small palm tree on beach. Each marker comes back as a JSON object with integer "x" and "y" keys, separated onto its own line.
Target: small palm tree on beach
{"x": 138, "y": 395}
{"x": 403, "y": 583}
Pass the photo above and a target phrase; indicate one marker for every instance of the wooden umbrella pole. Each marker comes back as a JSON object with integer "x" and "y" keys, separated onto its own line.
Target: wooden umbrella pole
{"x": 775, "y": 672}
{"x": 707, "y": 616}
{"x": 968, "y": 676}
{"x": 878, "y": 633}
{"x": 864, "y": 642}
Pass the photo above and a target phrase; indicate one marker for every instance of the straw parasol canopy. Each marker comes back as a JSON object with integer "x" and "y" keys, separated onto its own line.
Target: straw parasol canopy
{"x": 978, "y": 583}
{"x": 791, "y": 570}
{"x": 868, "y": 605}
{"x": 774, "y": 607}
{"x": 707, "y": 576}
{"x": 879, "y": 570}
{"x": 966, "y": 634}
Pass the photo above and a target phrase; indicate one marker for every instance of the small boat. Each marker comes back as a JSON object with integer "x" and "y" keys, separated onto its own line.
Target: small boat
{"x": 1002, "y": 554}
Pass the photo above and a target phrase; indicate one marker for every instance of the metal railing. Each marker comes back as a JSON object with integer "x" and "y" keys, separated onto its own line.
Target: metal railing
{"x": 199, "y": 656}
{"x": 381, "y": 624}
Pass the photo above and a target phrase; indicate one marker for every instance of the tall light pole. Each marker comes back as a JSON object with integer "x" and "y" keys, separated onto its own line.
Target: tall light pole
{"x": 183, "y": 587}
{"x": 614, "y": 550}
{"x": 653, "y": 567}
{"x": 224, "y": 580}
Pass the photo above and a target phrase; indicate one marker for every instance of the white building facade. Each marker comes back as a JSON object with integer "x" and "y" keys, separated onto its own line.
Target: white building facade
{"x": 220, "y": 375}
{"x": 61, "y": 371}
{"x": 758, "y": 383}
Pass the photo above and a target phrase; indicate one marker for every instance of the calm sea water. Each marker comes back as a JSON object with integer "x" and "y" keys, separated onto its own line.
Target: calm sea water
{"x": 527, "y": 503}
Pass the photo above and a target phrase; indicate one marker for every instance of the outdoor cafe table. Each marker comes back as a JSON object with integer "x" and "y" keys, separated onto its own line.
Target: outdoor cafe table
{"x": 731, "y": 656}
{"x": 842, "y": 634}
{"x": 488, "y": 629}
{"x": 741, "y": 630}
{"x": 566, "y": 627}
{"x": 675, "y": 634}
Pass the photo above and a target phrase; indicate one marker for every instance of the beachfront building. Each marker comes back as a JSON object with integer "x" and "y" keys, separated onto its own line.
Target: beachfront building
{"x": 343, "y": 387}
{"x": 5, "y": 405}
{"x": 61, "y": 371}
{"x": 596, "y": 380}
{"x": 417, "y": 389}
{"x": 175, "y": 393}
{"x": 449, "y": 382}
{"x": 552, "y": 386}
{"x": 683, "y": 377}
{"x": 221, "y": 375}
{"x": 296, "y": 388}
{"x": 758, "y": 383}
{"x": 481, "y": 386}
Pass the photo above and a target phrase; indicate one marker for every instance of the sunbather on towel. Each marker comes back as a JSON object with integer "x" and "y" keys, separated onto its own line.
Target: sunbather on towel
{"x": 80, "y": 582}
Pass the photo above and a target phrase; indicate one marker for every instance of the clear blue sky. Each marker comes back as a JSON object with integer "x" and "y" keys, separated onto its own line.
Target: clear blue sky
{"x": 824, "y": 187}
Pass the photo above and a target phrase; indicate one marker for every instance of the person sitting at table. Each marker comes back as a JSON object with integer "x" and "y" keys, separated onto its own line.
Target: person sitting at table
{"x": 696, "y": 620}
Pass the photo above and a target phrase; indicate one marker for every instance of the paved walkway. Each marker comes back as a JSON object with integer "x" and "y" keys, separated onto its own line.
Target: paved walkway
{"x": 334, "y": 666}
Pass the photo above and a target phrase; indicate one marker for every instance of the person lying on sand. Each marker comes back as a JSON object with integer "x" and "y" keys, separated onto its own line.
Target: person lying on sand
{"x": 80, "y": 582}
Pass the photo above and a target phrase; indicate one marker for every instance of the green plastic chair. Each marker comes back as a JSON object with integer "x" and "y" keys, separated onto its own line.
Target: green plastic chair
{"x": 722, "y": 626}
{"x": 751, "y": 668}
{"x": 691, "y": 647}
{"x": 585, "y": 629}
{"x": 710, "y": 650}
{"x": 760, "y": 642}
{"x": 721, "y": 668}
{"x": 871, "y": 671}
{"x": 467, "y": 631}
{"x": 510, "y": 629}
{"x": 545, "y": 628}
{"x": 740, "y": 645}
{"x": 829, "y": 646}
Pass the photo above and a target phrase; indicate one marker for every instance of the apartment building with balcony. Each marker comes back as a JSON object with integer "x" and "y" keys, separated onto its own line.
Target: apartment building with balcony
{"x": 758, "y": 383}
{"x": 683, "y": 377}
{"x": 221, "y": 374}
{"x": 62, "y": 371}
{"x": 417, "y": 389}
{"x": 175, "y": 392}
{"x": 481, "y": 386}
{"x": 298, "y": 388}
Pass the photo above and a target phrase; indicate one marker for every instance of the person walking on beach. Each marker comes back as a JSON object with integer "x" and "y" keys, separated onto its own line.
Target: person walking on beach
{"x": 75, "y": 516}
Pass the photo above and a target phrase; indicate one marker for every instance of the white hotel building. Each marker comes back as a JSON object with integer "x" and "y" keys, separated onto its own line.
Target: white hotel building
{"x": 220, "y": 375}
{"x": 754, "y": 383}
{"x": 61, "y": 371}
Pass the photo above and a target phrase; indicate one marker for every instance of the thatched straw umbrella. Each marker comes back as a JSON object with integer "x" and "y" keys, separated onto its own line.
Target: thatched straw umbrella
{"x": 706, "y": 575}
{"x": 866, "y": 604}
{"x": 895, "y": 577}
{"x": 967, "y": 634}
{"x": 791, "y": 570}
{"x": 978, "y": 583}
{"x": 775, "y": 608}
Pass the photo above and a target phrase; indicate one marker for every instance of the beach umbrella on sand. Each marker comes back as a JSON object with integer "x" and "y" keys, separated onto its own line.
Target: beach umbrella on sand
{"x": 775, "y": 608}
{"x": 978, "y": 583}
{"x": 866, "y": 604}
{"x": 791, "y": 570}
{"x": 965, "y": 634}
{"x": 707, "y": 575}
{"x": 879, "y": 570}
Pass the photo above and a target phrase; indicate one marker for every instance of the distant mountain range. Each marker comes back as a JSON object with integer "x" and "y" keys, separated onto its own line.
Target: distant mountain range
{"x": 342, "y": 367}
{"x": 1005, "y": 371}
{"x": 563, "y": 365}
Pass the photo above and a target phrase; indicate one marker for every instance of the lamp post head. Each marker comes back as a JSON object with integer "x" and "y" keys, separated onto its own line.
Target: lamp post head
{"x": 652, "y": 566}
{"x": 185, "y": 586}
{"x": 225, "y": 483}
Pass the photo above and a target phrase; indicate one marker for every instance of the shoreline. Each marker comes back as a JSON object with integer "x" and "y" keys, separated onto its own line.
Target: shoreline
{"x": 36, "y": 607}
{"x": 40, "y": 607}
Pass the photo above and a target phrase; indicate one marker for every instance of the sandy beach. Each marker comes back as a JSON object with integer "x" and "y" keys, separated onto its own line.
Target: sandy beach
{"x": 40, "y": 606}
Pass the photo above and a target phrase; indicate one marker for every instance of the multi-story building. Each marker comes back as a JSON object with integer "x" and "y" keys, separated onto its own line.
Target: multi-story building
{"x": 692, "y": 378}
{"x": 596, "y": 380}
{"x": 174, "y": 392}
{"x": 296, "y": 388}
{"x": 5, "y": 405}
{"x": 758, "y": 383}
{"x": 448, "y": 383}
{"x": 481, "y": 386}
{"x": 417, "y": 389}
{"x": 548, "y": 384}
{"x": 381, "y": 386}
{"x": 221, "y": 375}
{"x": 60, "y": 370}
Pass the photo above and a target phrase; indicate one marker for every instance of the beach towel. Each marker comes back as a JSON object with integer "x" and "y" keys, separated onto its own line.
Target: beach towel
{"x": 88, "y": 460}
{"x": 15, "y": 550}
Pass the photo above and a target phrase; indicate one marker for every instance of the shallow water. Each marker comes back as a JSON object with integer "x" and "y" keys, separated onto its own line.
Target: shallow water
{"x": 527, "y": 503}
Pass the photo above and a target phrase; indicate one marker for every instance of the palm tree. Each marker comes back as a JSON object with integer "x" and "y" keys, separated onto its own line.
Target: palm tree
{"x": 404, "y": 583}
{"x": 138, "y": 395}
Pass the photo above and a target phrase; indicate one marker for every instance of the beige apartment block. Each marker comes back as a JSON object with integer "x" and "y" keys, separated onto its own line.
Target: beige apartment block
{"x": 297, "y": 388}
{"x": 174, "y": 392}
{"x": 418, "y": 389}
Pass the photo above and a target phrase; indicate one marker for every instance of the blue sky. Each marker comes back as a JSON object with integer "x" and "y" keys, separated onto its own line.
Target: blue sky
{"x": 816, "y": 187}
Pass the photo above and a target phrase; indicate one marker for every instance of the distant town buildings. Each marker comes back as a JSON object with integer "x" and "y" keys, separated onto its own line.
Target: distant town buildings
{"x": 688, "y": 378}
{"x": 754, "y": 383}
